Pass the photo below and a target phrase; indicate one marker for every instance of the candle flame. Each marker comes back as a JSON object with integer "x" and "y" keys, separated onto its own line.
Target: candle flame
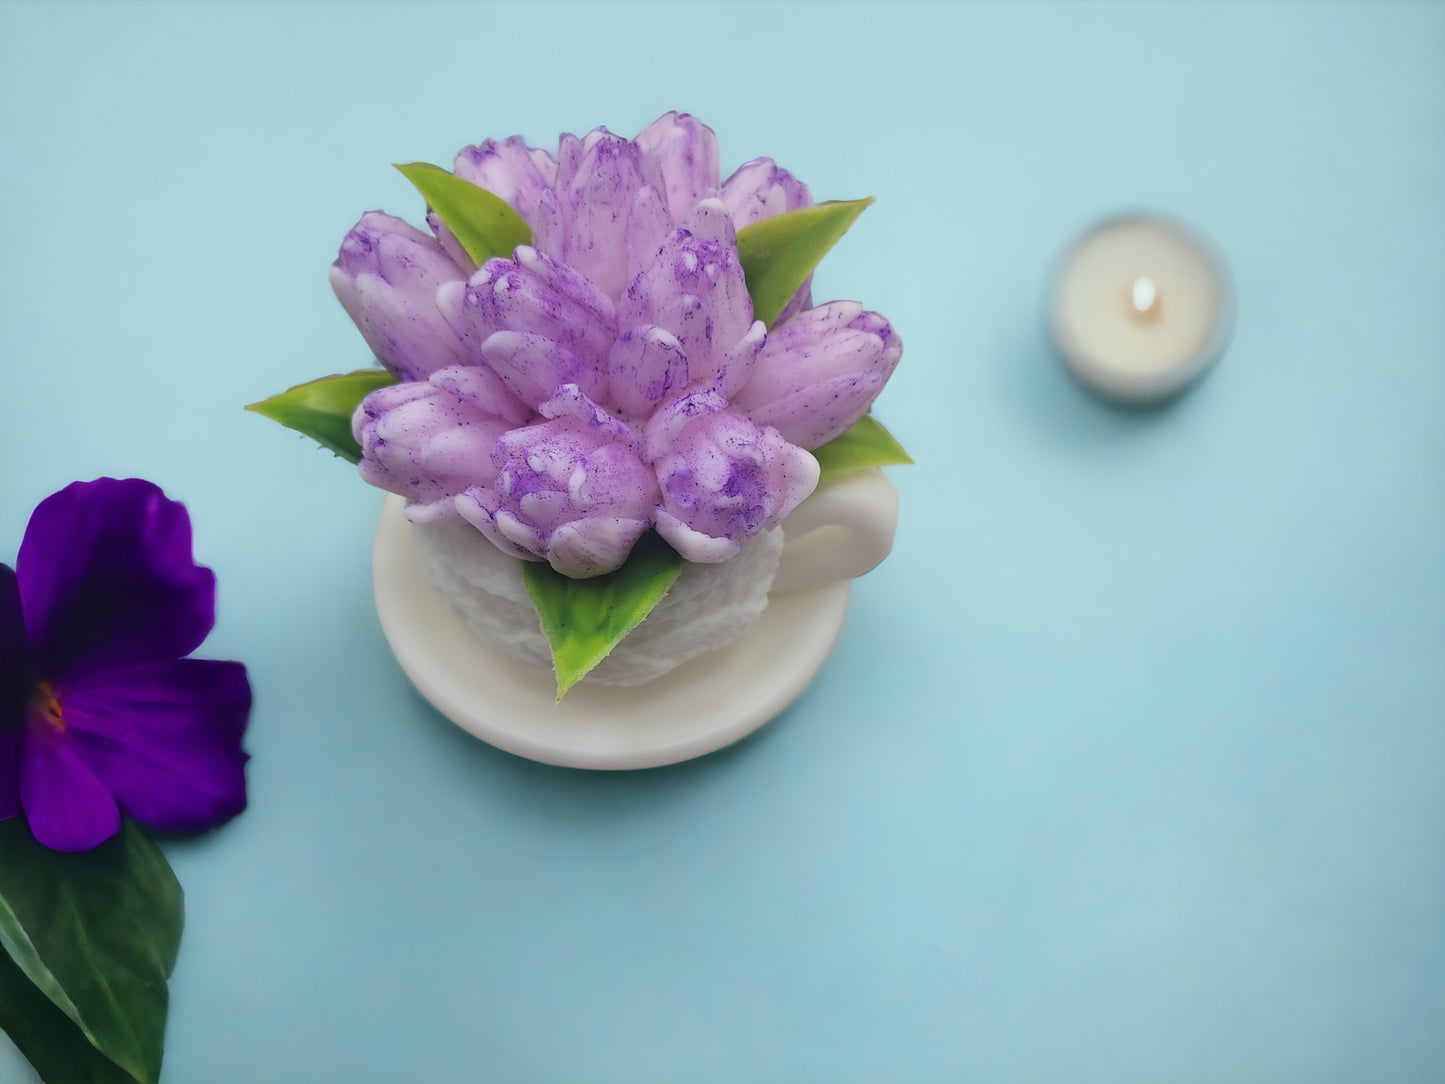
{"x": 1144, "y": 296}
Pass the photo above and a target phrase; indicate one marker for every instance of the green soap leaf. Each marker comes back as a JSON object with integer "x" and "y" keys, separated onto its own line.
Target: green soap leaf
{"x": 47, "y": 1037}
{"x": 97, "y": 933}
{"x": 323, "y": 408}
{"x": 586, "y": 619}
{"x": 779, "y": 253}
{"x": 484, "y": 223}
{"x": 865, "y": 444}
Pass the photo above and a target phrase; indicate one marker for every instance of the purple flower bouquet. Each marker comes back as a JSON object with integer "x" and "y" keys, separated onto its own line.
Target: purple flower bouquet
{"x": 604, "y": 369}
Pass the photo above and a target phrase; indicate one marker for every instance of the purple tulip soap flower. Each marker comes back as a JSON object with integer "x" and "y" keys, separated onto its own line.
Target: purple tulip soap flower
{"x": 620, "y": 350}
{"x": 535, "y": 322}
{"x": 431, "y": 440}
{"x": 101, "y": 712}
{"x": 386, "y": 278}
{"x": 723, "y": 479}
{"x": 820, "y": 372}
{"x": 603, "y": 204}
{"x": 571, "y": 490}
{"x": 694, "y": 291}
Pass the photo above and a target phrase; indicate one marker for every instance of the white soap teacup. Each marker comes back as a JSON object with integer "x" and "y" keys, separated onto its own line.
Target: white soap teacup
{"x": 728, "y": 647}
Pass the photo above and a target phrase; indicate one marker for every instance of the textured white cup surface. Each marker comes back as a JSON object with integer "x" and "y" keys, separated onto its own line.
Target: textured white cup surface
{"x": 844, "y": 529}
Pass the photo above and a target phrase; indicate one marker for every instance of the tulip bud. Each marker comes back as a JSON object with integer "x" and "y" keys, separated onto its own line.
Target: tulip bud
{"x": 570, "y": 490}
{"x": 386, "y": 277}
{"x": 680, "y": 160}
{"x": 551, "y": 316}
{"x": 695, "y": 291}
{"x": 510, "y": 169}
{"x": 429, "y": 440}
{"x": 761, "y": 189}
{"x": 723, "y": 479}
{"x": 820, "y": 372}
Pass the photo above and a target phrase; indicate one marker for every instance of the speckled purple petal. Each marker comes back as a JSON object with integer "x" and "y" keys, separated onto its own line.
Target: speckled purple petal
{"x": 67, "y": 806}
{"x": 510, "y": 169}
{"x": 450, "y": 245}
{"x": 570, "y": 401}
{"x": 14, "y": 687}
{"x": 549, "y": 232}
{"x": 647, "y": 228}
{"x": 742, "y": 359}
{"x": 428, "y": 441}
{"x": 569, "y": 489}
{"x": 164, "y": 738}
{"x": 533, "y": 367}
{"x": 761, "y": 189}
{"x": 594, "y": 545}
{"x": 722, "y": 478}
{"x": 107, "y": 578}
{"x": 695, "y": 289}
{"x": 646, "y": 365}
{"x": 482, "y": 389}
{"x": 596, "y": 195}
{"x": 533, "y": 294}
{"x": 386, "y": 277}
{"x": 680, "y": 159}
{"x": 820, "y": 372}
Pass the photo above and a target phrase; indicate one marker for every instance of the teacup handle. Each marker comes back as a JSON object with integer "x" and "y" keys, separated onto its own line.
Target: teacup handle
{"x": 842, "y": 531}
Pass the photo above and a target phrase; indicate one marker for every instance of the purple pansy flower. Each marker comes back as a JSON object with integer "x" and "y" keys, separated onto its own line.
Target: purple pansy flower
{"x": 101, "y": 712}
{"x": 620, "y": 350}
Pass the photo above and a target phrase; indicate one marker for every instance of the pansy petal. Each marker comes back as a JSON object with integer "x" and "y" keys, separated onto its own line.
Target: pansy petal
{"x": 10, "y": 745}
{"x": 107, "y": 578}
{"x": 13, "y": 690}
{"x": 165, "y": 738}
{"x": 68, "y": 808}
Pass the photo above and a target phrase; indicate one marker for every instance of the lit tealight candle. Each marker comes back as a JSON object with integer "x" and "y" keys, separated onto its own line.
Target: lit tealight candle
{"x": 1140, "y": 308}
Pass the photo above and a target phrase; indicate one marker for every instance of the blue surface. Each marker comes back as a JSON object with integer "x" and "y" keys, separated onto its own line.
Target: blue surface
{"x": 1128, "y": 765}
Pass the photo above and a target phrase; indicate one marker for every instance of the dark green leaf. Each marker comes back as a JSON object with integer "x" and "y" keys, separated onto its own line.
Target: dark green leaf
{"x": 865, "y": 444}
{"x": 97, "y": 933}
{"x": 779, "y": 253}
{"x": 585, "y": 619}
{"x": 323, "y": 408}
{"x": 47, "y": 1037}
{"x": 485, "y": 224}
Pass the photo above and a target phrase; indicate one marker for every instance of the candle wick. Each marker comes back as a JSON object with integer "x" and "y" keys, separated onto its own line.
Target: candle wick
{"x": 1144, "y": 297}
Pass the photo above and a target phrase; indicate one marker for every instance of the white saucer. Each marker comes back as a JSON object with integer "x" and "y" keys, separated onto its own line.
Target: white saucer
{"x": 698, "y": 708}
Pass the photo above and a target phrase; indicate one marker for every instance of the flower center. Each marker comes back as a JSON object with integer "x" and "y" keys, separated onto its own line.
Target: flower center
{"x": 44, "y": 701}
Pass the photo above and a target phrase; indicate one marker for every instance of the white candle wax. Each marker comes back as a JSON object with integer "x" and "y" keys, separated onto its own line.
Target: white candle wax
{"x": 1140, "y": 308}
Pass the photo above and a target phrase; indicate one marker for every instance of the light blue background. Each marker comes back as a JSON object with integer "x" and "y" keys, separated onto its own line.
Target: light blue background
{"x": 1128, "y": 764}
